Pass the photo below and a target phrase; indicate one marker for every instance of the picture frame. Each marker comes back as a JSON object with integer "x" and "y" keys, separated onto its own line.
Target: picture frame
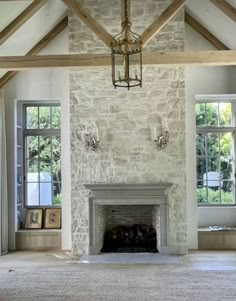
{"x": 52, "y": 218}
{"x": 34, "y": 218}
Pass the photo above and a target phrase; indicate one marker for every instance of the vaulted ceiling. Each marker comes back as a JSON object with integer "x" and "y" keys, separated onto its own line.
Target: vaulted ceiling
{"x": 217, "y": 18}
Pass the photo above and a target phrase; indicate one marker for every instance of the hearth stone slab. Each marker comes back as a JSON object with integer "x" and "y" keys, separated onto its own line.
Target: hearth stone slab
{"x": 128, "y": 258}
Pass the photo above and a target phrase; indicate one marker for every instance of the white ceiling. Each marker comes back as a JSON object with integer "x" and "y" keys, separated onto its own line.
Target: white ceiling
{"x": 214, "y": 20}
{"x": 33, "y": 30}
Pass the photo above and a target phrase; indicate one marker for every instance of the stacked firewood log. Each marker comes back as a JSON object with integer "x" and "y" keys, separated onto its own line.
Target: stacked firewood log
{"x": 130, "y": 236}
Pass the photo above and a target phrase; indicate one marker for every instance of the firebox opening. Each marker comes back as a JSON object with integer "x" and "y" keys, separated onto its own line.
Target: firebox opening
{"x": 135, "y": 238}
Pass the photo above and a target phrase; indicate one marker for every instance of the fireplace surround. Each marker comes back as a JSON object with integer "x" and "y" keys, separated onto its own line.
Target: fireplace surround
{"x": 103, "y": 195}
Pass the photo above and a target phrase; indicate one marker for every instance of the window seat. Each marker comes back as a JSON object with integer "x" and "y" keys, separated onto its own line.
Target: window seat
{"x": 38, "y": 239}
{"x": 216, "y": 240}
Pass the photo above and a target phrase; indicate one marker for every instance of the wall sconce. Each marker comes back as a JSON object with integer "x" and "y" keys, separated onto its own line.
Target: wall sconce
{"x": 91, "y": 142}
{"x": 161, "y": 140}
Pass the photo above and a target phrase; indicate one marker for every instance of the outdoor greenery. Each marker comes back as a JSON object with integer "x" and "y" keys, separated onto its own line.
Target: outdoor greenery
{"x": 207, "y": 195}
{"x": 214, "y": 153}
{"x": 43, "y": 151}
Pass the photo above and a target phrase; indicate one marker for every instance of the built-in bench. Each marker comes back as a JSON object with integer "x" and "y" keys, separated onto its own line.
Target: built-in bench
{"x": 216, "y": 240}
{"x": 38, "y": 240}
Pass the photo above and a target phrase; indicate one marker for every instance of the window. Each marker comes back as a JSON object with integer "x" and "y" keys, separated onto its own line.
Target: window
{"x": 215, "y": 153}
{"x": 42, "y": 154}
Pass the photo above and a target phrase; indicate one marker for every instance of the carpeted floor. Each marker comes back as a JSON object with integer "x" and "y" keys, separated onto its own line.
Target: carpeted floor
{"x": 82, "y": 282}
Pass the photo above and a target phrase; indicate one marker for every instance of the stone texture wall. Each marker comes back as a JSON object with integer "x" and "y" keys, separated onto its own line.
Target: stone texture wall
{"x": 126, "y": 152}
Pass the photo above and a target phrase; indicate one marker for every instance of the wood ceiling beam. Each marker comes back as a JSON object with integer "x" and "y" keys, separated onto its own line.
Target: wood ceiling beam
{"x": 84, "y": 16}
{"x": 204, "y": 32}
{"x": 162, "y": 20}
{"x": 20, "y": 20}
{"x": 38, "y": 47}
{"x": 194, "y": 58}
{"x": 226, "y": 8}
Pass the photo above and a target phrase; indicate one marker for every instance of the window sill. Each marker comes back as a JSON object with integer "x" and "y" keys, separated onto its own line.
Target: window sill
{"x": 38, "y": 232}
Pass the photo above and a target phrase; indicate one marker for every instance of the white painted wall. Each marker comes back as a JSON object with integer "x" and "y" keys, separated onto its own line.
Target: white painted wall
{"x": 203, "y": 80}
{"x": 38, "y": 85}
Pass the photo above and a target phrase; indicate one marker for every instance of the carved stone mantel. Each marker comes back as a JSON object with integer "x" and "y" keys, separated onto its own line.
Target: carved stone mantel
{"x": 128, "y": 194}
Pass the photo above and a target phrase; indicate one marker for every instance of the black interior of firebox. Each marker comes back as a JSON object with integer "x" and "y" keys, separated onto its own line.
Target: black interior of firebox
{"x": 134, "y": 238}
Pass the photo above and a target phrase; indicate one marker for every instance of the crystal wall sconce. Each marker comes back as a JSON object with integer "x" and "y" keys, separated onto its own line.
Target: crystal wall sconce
{"x": 162, "y": 140}
{"x": 91, "y": 142}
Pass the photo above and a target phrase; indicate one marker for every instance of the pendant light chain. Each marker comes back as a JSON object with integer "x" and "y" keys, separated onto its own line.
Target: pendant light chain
{"x": 126, "y": 12}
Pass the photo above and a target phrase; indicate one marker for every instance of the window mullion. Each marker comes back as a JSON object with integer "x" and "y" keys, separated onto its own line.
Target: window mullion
{"x": 39, "y": 174}
{"x": 234, "y": 165}
{"x": 51, "y": 174}
{"x": 219, "y": 168}
{"x": 206, "y": 152}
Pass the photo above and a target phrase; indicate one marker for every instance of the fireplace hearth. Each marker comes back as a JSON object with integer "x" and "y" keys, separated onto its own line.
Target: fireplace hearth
{"x": 130, "y": 239}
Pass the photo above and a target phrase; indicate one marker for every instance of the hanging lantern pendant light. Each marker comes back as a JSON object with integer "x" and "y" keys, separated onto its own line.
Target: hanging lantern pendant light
{"x": 126, "y": 56}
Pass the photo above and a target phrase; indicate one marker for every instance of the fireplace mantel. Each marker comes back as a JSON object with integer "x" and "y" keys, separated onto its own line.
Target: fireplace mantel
{"x": 154, "y": 194}
{"x": 149, "y": 188}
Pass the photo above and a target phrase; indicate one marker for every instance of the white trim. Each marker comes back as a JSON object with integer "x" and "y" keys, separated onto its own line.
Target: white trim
{"x": 39, "y": 100}
{"x": 215, "y": 98}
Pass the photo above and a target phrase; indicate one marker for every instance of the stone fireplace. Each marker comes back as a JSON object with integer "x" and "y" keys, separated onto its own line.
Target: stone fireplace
{"x": 125, "y": 120}
{"x": 152, "y": 197}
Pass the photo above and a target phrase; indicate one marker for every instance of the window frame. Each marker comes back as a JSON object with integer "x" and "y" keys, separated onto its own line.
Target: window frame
{"x": 41, "y": 132}
{"x": 218, "y": 129}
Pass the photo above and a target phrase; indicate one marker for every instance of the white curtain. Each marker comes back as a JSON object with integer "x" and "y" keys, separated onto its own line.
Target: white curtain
{"x": 3, "y": 181}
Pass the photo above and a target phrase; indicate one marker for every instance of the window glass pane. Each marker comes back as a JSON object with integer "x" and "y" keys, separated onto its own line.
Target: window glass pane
{"x": 56, "y": 193}
{"x": 45, "y": 169}
{"x": 56, "y": 163}
{"x": 226, "y": 144}
{"x": 226, "y": 168}
{"x": 201, "y": 193}
{"x": 45, "y": 176}
{"x": 201, "y": 167}
{"x": 45, "y": 148}
{"x": 227, "y": 193}
{"x": 56, "y": 148}
{"x": 201, "y": 145}
{"x": 44, "y": 118}
{"x": 214, "y": 167}
{"x": 56, "y": 117}
{"x": 32, "y": 147}
{"x": 200, "y": 114}
{"x": 214, "y": 194}
{"x": 56, "y": 170}
{"x": 213, "y": 147}
{"x": 32, "y": 194}
{"x": 226, "y": 159}
{"x": 212, "y": 114}
{"x": 45, "y": 193}
{"x": 32, "y": 121}
{"x": 225, "y": 114}
{"x": 32, "y": 166}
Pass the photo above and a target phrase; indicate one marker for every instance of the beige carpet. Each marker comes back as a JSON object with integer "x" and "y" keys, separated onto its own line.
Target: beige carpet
{"x": 117, "y": 283}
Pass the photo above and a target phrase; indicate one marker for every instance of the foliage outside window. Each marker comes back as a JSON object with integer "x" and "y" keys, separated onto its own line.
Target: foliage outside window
{"x": 42, "y": 155}
{"x": 215, "y": 153}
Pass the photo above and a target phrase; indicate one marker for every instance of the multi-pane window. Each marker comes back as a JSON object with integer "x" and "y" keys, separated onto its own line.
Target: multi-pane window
{"x": 42, "y": 155}
{"x": 215, "y": 153}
